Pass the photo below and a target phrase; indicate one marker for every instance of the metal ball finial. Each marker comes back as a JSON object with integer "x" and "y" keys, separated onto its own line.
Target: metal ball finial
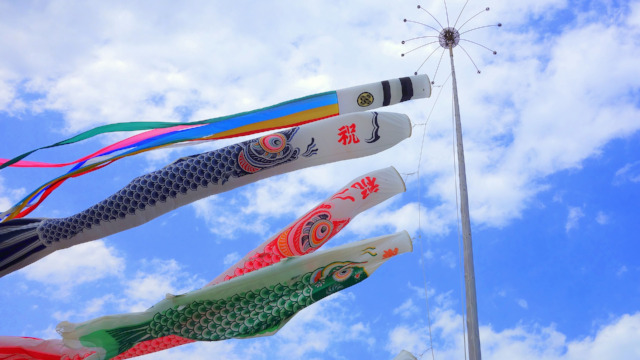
{"x": 449, "y": 37}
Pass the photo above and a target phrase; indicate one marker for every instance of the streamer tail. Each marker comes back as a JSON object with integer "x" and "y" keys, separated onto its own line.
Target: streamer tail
{"x": 19, "y": 240}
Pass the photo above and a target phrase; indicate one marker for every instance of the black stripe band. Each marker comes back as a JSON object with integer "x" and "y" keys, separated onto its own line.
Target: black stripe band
{"x": 407, "y": 89}
{"x": 386, "y": 93}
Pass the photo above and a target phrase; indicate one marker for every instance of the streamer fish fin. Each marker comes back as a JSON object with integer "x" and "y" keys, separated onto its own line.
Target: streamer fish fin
{"x": 19, "y": 241}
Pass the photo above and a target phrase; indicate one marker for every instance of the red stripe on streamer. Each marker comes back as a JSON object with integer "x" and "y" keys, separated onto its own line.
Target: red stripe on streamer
{"x": 52, "y": 187}
{"x": 33, "y": 354}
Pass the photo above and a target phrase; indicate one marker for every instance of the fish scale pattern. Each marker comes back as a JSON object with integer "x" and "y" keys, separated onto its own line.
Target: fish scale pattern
{"x": 242, "y": 314}
{"x": 253, "y": 311}
{"x": 174, "y": 180}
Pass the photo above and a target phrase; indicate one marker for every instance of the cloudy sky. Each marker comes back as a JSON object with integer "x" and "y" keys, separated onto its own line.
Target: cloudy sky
{"x": 551, "y": 138}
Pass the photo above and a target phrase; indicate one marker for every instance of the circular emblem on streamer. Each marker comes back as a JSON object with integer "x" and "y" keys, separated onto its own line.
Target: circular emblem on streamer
{"x": 365, "y": 99}
{"x": 307, "y": 235}
{"x": 317, "y": 233}
{"x": 342, "y": 274}
{"x": 273, "y": 143}
{"x": 283, "y": 244}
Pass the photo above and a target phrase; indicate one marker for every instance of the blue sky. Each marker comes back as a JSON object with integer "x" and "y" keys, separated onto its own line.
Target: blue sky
{"x": 551, "y": 136}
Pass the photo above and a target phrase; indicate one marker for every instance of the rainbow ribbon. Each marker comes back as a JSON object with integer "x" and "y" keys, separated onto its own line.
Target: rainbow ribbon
{"x": 164, "y": 134}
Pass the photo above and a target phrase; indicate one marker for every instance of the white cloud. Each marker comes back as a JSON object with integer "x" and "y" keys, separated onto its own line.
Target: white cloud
{"x": 320, "y": 323}
{"x": 152, "y": 281}
{"x": 419, "y": 291}
{"x": 445, "y": 257}
{"x": 150, "y": 286}
{"x": 557, "y": 197}
{"x": 231, "y": 258}
{"x": 602, "y": 218}
{"x": 9, "y": 196}
{"x": 518, "y": 129}
{"x": 85, "y": 77}
{"x": 48, "y": 333}
{"x": 407, "y": 309}
{"x": 92, "y": 308}
{"x": 575, "y": 214}
{"x": 523, "y": 303}
{"x": 405, "y": 337}
{"x": 634, "y": 16}
{"x": 224, "y": 219}
{"x": 543, "y": 105}
{"x": 77, "y": 265}
{"x": 95, "y": 306}
{"x": 8, "y": 101}
{"x": 543, "y": 117}
{"x": 616, "y": 340}
{"x": 449, "y": 259}
{"x": 407, "y": 217}
{"x": 428, "y": 255}
{"x": 511, "y": 149}
{"x": 274, "y": 197}
{"x": 623, "y": 269}
{"x": 291, "y": 195}
{"x": 523, "y": 10}
{"x": 628, "y": 173}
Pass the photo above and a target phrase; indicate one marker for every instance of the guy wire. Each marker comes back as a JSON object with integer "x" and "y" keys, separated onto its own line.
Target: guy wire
{"x": 424, "y": 271}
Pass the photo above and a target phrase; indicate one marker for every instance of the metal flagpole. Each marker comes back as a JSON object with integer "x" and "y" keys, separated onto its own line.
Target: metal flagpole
{"x": 451, "y": 37}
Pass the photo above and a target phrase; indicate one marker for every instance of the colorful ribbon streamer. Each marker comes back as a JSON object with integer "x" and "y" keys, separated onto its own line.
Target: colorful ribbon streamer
{"x": 163, "y": 134}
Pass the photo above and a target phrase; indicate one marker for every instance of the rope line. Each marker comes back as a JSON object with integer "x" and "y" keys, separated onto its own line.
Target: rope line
{"x": 423, "y": 262}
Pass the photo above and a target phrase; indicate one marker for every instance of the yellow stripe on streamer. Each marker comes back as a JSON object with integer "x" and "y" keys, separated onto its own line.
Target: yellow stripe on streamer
{"x": 298, "y": 118}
